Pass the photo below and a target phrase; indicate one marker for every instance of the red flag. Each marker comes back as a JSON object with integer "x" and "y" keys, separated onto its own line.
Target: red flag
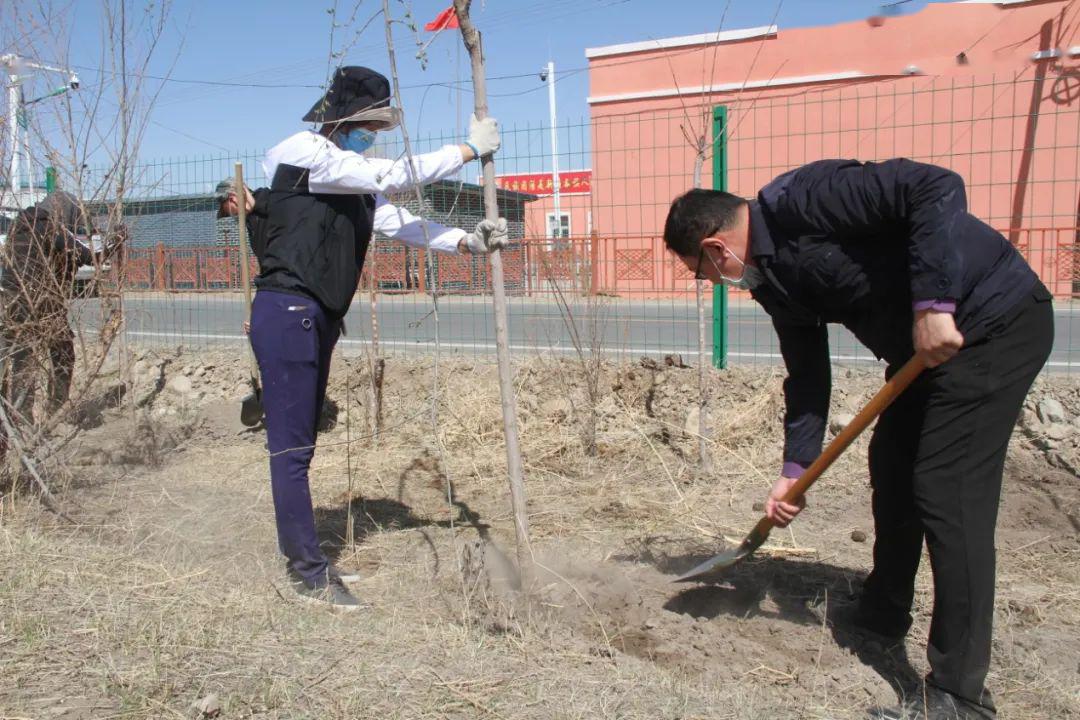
{"x": 446, "y": 20}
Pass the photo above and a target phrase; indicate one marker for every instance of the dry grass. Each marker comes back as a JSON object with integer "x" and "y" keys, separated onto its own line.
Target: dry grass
{"x": 170, "y": 590}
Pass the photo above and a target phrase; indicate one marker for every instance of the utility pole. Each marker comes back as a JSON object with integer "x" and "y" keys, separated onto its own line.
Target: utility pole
{"x": 556, "y": 232}
{"x": 13, "y": 131}
{"x": 24, "y": 126}
{"x": 18, "y": 69}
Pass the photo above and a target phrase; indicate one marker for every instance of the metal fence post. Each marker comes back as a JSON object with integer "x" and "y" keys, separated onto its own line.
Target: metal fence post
{"x": 720, "y": 298}
{"x": 159, "y": 266}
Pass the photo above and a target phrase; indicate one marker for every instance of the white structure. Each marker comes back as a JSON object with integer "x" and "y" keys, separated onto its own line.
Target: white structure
{"x": 18, "y": 69}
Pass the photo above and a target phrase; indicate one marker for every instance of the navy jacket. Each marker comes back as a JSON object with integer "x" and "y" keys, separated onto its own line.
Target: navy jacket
{"x": 857, "y": 244}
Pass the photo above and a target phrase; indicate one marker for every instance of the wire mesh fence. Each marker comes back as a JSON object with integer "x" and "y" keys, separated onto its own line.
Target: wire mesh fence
{"x": 589, "y": 259}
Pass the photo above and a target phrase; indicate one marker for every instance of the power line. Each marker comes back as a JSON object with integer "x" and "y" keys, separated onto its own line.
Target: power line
{"x": 497, "y": 20}
{"x": 185, "y": 81}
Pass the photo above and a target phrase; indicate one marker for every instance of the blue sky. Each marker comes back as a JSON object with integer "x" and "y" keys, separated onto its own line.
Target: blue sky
{"x": 287, "y": 43}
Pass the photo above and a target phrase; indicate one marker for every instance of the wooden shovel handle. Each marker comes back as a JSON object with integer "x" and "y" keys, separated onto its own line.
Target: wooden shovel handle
{"x": 884, "y": 397}
{"x": 241, "y": 215}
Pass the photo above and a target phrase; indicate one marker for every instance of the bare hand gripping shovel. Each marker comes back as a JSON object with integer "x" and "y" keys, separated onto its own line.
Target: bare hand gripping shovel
{"x": 896, "y": 385}
{"x": 251, "y": 407}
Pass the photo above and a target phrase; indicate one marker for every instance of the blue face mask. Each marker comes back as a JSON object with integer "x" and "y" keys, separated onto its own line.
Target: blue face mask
{"x": 751, "y": 277}
{"x": 357, "y": 140}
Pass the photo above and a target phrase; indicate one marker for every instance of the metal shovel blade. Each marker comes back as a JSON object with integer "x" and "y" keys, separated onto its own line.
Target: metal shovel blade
{"x": 726, "y": 559}
{"x": 251, "y": 407}
{"x": 893, "y": 387}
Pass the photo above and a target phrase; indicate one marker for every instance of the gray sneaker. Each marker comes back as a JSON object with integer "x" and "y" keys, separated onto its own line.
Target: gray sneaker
{"x": 347, "y": 576}
{"x": 334, "y": 594}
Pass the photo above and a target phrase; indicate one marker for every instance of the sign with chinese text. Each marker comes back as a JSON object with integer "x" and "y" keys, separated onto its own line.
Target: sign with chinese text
{"x": 575, "y": 182}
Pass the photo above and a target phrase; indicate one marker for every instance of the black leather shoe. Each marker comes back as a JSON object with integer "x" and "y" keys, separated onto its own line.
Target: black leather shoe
{"x": 937, "y": 705}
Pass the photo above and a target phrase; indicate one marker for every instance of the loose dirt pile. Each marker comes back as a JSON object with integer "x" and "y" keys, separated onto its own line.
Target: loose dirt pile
{"x": 169, "y": 593}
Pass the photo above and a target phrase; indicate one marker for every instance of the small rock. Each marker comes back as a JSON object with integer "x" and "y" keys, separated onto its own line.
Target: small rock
{"x": 858, "y": 536}
{"x": 1058, "y": 460}
{"x": 208, "y": 707}
{"x": 199, "y": 372}
{"x": 1059, "y": 431}
{"x": 648, "y": 363}
{"x": 839, "y": 422}
{"x": 180, "y": 385}
{"x": 650, "y": 624}
{"x": 1029, "y": 420}
{"x": 64, "y": 429}
{"x": 1051, "y": 411}
{"x": 557, "y": 408}
{"x": 693, "y": 419}
{"x": 675, "y": 361}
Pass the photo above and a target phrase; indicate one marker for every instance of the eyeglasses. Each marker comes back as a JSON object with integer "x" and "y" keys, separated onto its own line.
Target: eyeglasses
{"x": 698, "y": 275}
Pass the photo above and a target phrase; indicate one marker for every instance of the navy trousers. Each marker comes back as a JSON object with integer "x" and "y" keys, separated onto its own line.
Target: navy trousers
{"x": 293, "y": 341}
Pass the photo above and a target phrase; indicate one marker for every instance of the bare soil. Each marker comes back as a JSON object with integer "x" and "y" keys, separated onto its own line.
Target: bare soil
{"x": 169, "y": 590}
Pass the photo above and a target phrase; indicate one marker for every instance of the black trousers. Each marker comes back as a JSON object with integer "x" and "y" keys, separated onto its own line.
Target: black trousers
{"x": 936, "y": 462}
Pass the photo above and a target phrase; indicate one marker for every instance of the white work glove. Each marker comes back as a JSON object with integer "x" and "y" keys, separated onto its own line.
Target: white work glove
{"x": 489, "y": 236}
{"x": 484, "y": 135}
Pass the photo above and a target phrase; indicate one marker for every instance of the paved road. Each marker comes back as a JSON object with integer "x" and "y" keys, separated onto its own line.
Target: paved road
{"x": 625, "y": 328}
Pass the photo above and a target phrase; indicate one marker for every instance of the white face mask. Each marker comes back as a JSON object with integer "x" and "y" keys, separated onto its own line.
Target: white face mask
{"x": 751, "y": 277}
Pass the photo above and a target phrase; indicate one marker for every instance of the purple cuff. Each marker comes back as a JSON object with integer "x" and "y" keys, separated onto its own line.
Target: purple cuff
{"x": 793, "y": 469}
{"x": 946, "y": 306}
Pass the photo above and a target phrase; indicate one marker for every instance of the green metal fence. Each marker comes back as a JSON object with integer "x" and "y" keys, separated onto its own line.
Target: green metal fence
{"x": 608, "y": 262}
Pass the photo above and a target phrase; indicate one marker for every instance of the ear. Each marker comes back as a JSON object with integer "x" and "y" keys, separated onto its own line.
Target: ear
{"x": 717, "y": 243}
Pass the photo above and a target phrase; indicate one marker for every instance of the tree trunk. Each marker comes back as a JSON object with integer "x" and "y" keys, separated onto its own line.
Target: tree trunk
{"x": 471, "y": 37}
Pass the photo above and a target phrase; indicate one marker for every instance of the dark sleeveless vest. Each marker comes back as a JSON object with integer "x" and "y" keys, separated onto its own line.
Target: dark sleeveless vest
{"x": 315, "y": 243}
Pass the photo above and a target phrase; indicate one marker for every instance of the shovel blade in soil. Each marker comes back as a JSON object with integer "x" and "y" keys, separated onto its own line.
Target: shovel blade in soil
{"x": 251, "y": 407}
{"x": 725, "y": 560}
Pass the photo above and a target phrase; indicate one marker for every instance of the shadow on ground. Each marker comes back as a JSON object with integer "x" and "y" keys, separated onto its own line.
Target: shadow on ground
{"x": 793, "y": 586}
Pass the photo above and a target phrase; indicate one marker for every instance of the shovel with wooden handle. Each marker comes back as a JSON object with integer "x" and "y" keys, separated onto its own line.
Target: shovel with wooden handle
{"x": 884, "y": 397}
{"x": 251, "y": 408}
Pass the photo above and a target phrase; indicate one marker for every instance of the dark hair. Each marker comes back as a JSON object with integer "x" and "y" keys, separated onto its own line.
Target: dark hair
{"x": 697, "y": 215}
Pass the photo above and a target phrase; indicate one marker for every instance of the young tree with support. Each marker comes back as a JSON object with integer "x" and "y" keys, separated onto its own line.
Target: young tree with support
{"x": 471, "y": 36}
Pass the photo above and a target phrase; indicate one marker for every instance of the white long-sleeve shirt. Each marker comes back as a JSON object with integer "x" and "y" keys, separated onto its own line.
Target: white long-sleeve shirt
{"x": 332, "y": 170}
